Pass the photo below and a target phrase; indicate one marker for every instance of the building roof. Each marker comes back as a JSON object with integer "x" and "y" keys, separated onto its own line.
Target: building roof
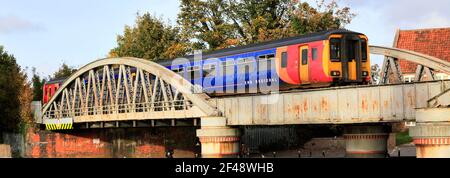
{"x": 434, "y": 42}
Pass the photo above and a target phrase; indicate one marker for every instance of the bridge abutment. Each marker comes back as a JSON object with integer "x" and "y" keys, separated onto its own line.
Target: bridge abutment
{"x": 218, "y": 140}
{"x": 366, "y": 141}
{"x": 431, "y": 134}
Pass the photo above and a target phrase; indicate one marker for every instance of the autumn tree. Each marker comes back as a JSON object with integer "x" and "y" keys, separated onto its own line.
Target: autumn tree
{"x": 326, "y": 16}
{"x": 216, "y": 24}
{"x": 63, "y": 72}
{"x": 15, "y": 94}
{"x": 150, "y": 38}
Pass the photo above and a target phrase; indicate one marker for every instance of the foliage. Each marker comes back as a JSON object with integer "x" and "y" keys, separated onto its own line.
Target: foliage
{"x": 15, "y": 94}
{"x": 150, "y": 38}
{"x": 403, "y": 138}
{"x": 216, "y": 24}
{"x": 37, "y": 84}
{"x": 63, "y": 72}
{"x": 307, "y": 19}
{"x": 375, "y": 73}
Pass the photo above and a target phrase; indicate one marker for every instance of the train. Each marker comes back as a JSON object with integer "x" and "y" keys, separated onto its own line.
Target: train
{"x": 328, "y": 58}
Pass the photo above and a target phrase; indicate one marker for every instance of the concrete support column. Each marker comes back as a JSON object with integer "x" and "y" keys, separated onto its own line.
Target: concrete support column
{"x": 366, "y": 141}
{"x": 218, "y": 140}
{"x": 431, "y": 134}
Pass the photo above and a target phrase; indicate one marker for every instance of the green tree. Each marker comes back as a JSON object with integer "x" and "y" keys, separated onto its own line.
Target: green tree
{"x": 207, "y": 22}
{"x": 307, "y": 19}
{"x": 14, "y": 94}
{"x": 38, "y": 85}
{"x": 63, "y": 72}
{"x": 150, "y": 38}
{"x": 216, "y": 24}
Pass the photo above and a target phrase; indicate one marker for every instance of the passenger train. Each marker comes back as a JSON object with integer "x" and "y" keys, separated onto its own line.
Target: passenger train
{"x": 333, "y": 57}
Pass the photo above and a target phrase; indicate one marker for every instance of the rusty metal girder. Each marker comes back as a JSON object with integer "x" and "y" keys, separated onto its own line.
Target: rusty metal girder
{"x": 340, "y": 105}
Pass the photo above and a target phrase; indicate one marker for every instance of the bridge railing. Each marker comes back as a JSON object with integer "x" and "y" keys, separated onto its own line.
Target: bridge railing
{"x": 120, "y": 108}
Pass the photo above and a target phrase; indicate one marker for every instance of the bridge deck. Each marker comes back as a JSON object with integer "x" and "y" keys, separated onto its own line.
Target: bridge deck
{"x": 354, "y": 104}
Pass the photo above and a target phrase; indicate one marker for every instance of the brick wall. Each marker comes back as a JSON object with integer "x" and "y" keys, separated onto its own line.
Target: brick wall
{"x": 106, "y": 143}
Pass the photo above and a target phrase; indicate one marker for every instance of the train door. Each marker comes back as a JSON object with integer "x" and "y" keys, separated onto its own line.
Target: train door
{"x": 304, "y": 66}
{"x": 351, "y": 59}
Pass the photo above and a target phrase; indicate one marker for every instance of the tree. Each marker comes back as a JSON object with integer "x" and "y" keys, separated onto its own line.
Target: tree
{"x": 216, "y": 24}
{"x": 307, "y": 19}
{"x": 150, "y": 38}
{"x": 38, "y": 85}
{"x": 375, "y": 74}
{"x": 63, "y": 72}
{"x": 15, "y": 94}
{"x": 207, "y": 22}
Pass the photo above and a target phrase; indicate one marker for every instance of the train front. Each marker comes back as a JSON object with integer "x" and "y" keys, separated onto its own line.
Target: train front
{"x": 348, "y": 58}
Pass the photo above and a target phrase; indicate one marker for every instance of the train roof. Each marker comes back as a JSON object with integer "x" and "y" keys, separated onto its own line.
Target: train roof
{"x": 267, "y": 45}
{"x": 58, "y": 80}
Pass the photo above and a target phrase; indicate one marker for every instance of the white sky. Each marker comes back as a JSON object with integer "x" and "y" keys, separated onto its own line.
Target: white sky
{"x": 45, "y": 33}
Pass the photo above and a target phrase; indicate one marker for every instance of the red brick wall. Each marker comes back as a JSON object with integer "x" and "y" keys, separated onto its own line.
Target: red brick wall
{"x": 107, "y": 143}
{"x": 433, "y": 42}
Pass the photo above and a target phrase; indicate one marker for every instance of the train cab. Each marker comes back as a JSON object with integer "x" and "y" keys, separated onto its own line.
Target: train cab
{"x": 50, "y": 89}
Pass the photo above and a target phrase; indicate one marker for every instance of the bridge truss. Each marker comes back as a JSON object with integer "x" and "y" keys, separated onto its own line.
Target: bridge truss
{"x": 125, "y": 89}
{"x": 132, "y": 89}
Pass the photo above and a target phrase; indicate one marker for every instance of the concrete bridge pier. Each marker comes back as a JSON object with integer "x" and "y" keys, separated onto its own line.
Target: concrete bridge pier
{"x": 431, "y": 134}
{"x": 366, "y": 141}
{"x": 218, "y": 140}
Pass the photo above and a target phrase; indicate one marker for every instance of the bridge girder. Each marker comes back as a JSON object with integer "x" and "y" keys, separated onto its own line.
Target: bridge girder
{"x": 426, "y": 64}
{"x": 108, "y": 90}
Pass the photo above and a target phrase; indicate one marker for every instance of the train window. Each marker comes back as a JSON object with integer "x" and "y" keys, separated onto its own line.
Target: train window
{"x": 180, "y": 70}
{"x": 335, "y": 49}
{"x": 195, "y": 72}
{"x": 314, "y": 53}
{"x": 284, "y": 59}
{"x": 206, "y": 69}
{"x": 224, "y": 68}
{"x": 209, "y": 70}
{"x": 241, "y": 64}
{"x": 304, "y": 56}
{"x": 364, "y": 50}
{"x": 228, "y": 67}
{"x": 269, "y": 61}
{"x": 351, "y": 50}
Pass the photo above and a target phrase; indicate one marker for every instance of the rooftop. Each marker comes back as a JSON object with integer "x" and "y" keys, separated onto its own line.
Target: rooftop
{"x": 433, "y": 41}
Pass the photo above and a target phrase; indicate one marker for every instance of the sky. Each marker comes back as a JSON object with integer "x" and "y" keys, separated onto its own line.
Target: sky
{"x": 46, "y": 33}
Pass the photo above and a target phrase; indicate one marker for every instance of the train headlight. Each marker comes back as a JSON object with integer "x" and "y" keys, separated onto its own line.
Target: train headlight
{"x": 335, "y": 73}
{"x": 365, "y": 73}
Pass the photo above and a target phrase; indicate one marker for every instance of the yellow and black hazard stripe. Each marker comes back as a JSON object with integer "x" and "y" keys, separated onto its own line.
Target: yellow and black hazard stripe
{"x": 58, "y": 126}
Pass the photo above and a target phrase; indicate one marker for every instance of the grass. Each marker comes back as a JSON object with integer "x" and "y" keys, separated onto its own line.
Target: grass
{"x": 403, "y": 138}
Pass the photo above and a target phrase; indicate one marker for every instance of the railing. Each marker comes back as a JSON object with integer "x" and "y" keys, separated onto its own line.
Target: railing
{"x": 175, "y": 105}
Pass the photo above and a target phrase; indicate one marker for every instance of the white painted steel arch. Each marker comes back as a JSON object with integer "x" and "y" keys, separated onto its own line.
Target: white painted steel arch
{"x": 85, "y": 90}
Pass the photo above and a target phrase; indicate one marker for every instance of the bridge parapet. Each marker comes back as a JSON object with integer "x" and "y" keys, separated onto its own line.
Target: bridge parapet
{"x": 339, "y": 105}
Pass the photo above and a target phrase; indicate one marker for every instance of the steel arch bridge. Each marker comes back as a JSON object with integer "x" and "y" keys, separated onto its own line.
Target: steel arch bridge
{"x": 133, "y": 89}
{"x": 118, "y": 89}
